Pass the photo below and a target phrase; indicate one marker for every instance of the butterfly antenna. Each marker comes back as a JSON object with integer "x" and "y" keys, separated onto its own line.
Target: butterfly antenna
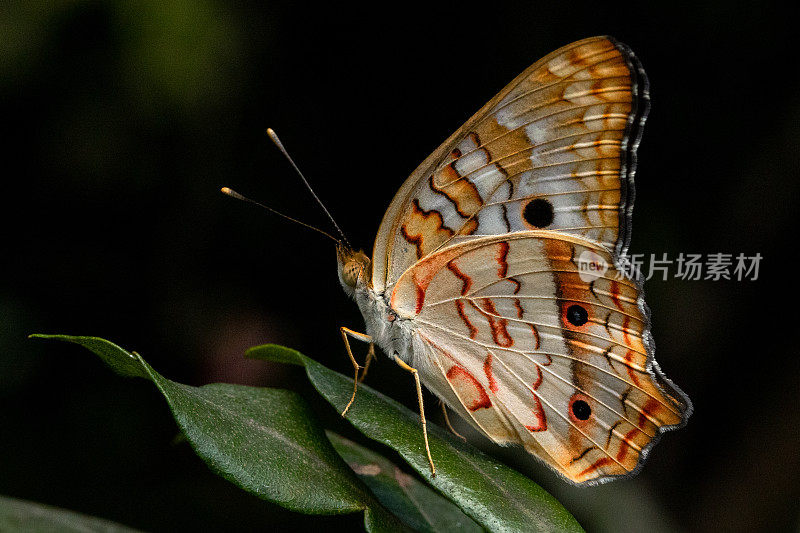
{"x": 233, "y": 194}
{"x": 274, "y": 137}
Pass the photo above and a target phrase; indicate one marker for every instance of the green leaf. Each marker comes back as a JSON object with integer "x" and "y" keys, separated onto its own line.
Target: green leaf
{"x": 495, "y": 496}
{"x": 411, "y": 500}
{"x": 123, "y": 363}
{"x": 266, "y": 441}
{"x": 21, "y": 515}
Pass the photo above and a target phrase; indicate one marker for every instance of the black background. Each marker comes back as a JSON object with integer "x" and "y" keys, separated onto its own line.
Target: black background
{"x": 123, "y": 120}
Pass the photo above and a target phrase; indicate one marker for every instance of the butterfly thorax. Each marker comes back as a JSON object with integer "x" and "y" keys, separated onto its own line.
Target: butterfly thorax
{"x": 390, "y": 332}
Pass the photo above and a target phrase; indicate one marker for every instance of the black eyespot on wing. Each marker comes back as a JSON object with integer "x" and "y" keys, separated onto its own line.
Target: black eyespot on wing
{"x": 577, "y": 315}
{"x": 538, "y": 213}
{"x": 581, "y": 410}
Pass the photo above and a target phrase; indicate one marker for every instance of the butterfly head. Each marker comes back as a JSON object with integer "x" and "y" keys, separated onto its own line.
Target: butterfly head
{"x": 354, "y": 268}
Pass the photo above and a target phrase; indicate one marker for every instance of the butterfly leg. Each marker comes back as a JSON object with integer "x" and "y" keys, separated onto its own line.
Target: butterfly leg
{"x": 449, "y": 425}
{"x": 370, "y": 357}
{"x": 414, "y": 372}
{"x": 346, "y": 332}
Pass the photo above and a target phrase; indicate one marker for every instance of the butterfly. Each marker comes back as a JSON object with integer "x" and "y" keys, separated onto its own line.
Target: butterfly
{"x": 499, "y": 275}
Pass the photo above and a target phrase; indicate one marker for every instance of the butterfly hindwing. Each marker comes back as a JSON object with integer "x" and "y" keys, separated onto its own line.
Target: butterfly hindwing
{"x": 553, "y": 151}
{"x": 512, "y": 337}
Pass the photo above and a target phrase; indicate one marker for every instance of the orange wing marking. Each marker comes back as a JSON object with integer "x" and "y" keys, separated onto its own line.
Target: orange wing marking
{"x": 466, "y": 281}
{"x": 594, "y": 466}
{"x": 420, "y": 297}
{"x": 626, "y": 322}
{"x": 473, "y": 331}
{"x": 538, "y": 410}
{"x": 498, "y": 326}
{"x": 463, "y": 194}
{"x": 626, "y": 444}
{"x": 487, "y": 369}
{"x": 416, "y": 240}
{"x": 629, "y": 355}
{"x": 520, "y": 313}
{"x": 424, "y": 226}
{"x": 502, "y": 259}
{"x": 644, "y": 416}
{"x": 474, "y": 395}
{"x": 615, "y": 295}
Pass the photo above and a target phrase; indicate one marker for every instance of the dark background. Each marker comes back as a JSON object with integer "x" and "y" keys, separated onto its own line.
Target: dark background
{"x": 122, "y": 120}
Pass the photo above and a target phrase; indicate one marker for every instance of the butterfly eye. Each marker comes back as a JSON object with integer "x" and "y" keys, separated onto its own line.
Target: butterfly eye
{"x": 577, "y": 315}
{"x": 538, "y": 213}
{"x": 350, "y": 273}
{"x": 581, "y": 410}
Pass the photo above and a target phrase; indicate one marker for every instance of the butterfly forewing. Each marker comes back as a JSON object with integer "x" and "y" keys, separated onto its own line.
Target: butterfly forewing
{"x": 548, "y": 152}
{"x": 531, "y": 353}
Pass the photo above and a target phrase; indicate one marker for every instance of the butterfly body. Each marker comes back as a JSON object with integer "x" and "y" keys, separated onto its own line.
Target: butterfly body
{"x": 392, "y": 333}
{"x": 479, "y": 285}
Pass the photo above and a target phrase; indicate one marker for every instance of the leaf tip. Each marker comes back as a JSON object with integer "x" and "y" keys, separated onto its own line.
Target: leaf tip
{"x": 276, "y": 353}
